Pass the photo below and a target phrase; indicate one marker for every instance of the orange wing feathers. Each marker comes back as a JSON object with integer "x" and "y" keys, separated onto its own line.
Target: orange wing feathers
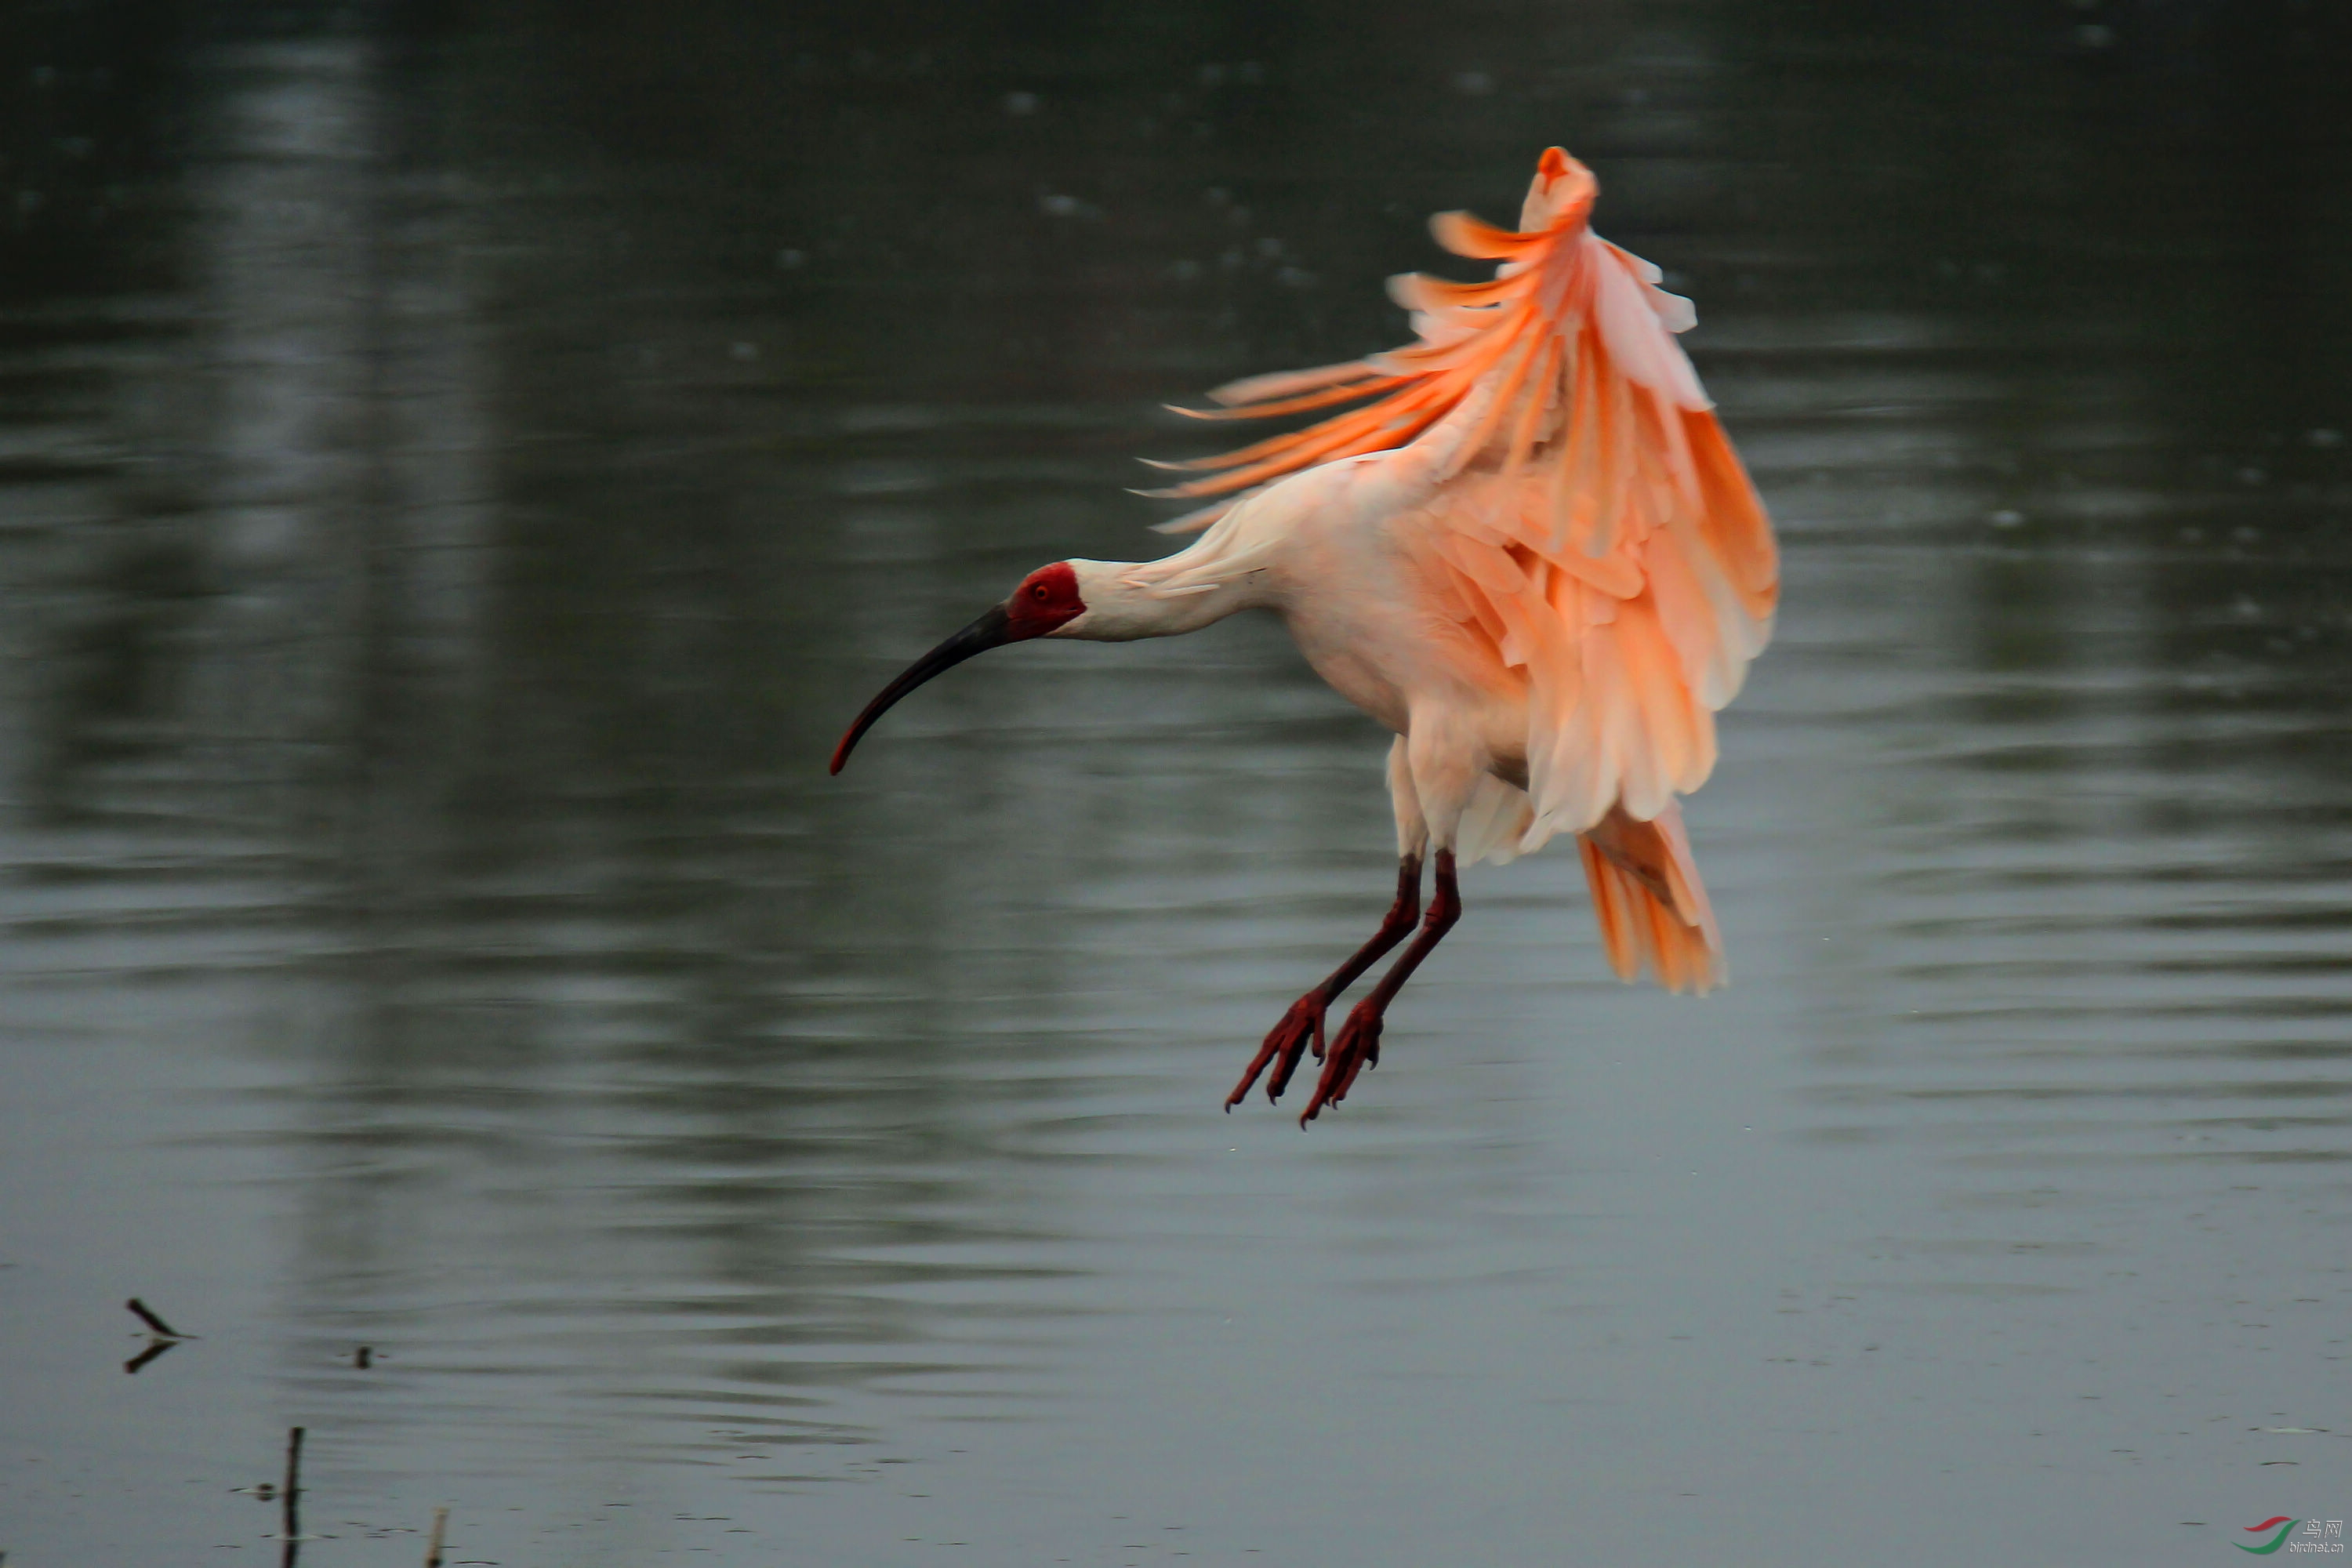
{"x": 1585, "y": 522}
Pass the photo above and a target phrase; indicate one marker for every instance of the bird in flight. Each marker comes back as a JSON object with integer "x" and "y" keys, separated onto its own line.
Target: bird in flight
{"x": 1523, "y": 545}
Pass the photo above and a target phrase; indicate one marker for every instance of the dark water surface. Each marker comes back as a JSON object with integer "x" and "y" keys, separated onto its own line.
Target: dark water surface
{"x": 461, "y": 465}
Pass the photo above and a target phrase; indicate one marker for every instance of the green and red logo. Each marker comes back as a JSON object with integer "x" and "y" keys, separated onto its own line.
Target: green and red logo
{"x": 2280, "y": 1523}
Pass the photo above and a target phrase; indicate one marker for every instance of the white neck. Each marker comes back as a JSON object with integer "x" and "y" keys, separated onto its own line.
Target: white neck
{"x": 1126, "y": 600}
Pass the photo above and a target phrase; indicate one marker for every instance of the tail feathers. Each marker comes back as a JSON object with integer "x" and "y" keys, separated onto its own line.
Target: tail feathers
{"x": 1652, "y": 908}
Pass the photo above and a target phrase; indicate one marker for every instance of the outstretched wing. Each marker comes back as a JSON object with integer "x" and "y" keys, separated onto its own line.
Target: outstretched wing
{"x": 1580, "y": 516}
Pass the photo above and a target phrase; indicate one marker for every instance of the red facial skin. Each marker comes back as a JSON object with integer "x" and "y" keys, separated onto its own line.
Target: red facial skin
{"x": 1047, "y": 599}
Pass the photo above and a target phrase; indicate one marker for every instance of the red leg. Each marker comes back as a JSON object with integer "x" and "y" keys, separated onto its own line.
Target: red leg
{"x": 1304, "y": 1022}
{"x": 1358, "y": 1045}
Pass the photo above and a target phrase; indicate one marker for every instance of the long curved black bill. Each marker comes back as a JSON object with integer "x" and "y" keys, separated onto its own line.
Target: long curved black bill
{"x": 991, "y": 630}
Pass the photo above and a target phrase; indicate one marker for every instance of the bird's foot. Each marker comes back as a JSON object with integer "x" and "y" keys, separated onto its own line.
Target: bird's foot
{"x": 1356, "y": 1047}
{"x": 1301, "y": 1027}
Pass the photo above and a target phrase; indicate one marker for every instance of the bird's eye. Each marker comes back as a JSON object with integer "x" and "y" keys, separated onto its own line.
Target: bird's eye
{"x": 1038, "y": 591}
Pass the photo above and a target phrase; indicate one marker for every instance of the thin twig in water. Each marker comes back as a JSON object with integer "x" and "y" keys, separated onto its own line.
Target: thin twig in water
{"x": 156, "y": 1345}
{"x": 290, "y": 1495}
{"x": 432, "y": 1545}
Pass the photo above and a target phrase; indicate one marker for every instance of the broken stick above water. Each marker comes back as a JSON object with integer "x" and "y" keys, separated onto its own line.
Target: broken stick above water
{"x": 162, "y": 1330}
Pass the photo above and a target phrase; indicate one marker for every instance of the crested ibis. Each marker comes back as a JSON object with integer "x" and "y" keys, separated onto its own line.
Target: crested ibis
{"x": 1526, "y": 549}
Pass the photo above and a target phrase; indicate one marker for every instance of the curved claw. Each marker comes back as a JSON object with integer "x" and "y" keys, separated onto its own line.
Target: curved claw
{"x": 1358, "y": 1047}
{"x": 1285, "y": 1044}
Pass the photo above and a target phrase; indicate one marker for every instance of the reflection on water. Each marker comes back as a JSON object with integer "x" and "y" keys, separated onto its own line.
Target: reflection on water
{"x": 458, "y": 474}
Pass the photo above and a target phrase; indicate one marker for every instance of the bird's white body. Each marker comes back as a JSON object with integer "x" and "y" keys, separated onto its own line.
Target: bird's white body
{"x": 1314, "y": 549}
{"x": 1319, "y": 551}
